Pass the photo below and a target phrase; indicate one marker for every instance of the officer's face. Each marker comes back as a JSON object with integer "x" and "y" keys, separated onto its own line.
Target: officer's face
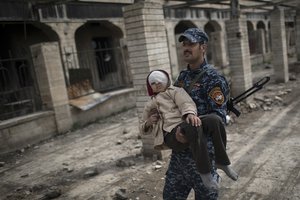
{"x": 193, "y": 53}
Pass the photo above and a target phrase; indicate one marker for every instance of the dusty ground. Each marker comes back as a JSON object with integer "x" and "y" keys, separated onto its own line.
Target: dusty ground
{"x": 103, "y": 160}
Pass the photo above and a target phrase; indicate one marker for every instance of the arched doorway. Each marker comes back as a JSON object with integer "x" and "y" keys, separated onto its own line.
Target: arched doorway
{"x": 19, "y": 93}
{"x": 101, "y": 56}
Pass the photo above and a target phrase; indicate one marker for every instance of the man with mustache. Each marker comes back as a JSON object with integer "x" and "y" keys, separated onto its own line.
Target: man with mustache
{"x": 209, "y": 90}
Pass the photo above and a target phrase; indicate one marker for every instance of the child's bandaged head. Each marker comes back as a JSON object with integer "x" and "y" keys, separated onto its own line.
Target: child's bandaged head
{"x": 158, "y": 77}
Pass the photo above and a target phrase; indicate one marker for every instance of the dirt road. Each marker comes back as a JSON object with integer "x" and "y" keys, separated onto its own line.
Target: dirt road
{"x": 103, "y": 161}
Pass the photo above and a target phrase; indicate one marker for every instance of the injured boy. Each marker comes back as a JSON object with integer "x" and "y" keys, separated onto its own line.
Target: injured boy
{"x": 178, "y": 112}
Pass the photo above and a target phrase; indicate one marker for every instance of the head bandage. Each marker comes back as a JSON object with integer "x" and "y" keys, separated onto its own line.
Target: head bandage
{"x": 158, "y": 77}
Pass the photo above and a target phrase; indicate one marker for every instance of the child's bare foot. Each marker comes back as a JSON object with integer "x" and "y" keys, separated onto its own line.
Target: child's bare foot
{"x": 228, "y": 171}
{"x": 209, "y": 182}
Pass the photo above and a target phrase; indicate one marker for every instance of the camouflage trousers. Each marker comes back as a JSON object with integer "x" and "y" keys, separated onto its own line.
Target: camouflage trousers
{"x": 182, "y": 176}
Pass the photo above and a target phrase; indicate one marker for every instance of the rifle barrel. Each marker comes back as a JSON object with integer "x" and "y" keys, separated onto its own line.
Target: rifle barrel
{"x": 256, "y": 86}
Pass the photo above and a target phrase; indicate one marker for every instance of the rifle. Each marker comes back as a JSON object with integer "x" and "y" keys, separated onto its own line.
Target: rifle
{"x": 233, "y": 101}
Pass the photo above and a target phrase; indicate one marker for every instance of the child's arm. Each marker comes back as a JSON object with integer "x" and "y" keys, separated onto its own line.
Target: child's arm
{"x": 150, "y": 117}
{"x": 186, "y": 105}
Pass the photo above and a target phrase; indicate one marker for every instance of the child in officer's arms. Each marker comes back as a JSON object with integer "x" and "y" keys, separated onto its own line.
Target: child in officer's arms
{"x": 178, "y": 113}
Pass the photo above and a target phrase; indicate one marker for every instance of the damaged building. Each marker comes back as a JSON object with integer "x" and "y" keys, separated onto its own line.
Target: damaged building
{"x": 64, "y": 64}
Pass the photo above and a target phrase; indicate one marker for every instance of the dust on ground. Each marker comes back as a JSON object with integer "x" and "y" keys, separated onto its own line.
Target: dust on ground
{"x": 103, "y": 160}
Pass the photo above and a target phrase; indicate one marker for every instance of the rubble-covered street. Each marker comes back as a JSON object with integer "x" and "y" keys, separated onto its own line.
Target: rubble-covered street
{"x": 103, "y": 160}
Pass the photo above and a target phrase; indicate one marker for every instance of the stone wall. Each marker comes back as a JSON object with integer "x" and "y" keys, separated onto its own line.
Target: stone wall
{"x": 22, "y": 132}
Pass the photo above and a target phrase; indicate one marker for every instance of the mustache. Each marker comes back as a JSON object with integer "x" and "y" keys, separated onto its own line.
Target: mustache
{"x": 187, "y": 51}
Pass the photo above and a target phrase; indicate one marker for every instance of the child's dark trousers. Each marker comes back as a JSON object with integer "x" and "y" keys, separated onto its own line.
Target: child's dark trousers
{"x": 196, "y": 136}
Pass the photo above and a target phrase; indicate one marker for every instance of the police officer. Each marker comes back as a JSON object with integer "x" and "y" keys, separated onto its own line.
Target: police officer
{"x": 209, "y": 90}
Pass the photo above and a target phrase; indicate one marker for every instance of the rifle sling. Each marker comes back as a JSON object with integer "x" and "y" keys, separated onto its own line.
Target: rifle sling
{"x": 194, "y": 80}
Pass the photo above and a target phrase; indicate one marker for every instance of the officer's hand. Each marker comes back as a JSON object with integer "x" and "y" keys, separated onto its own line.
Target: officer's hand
{"x": 193, "y": 120}
{"x": 179, "y": 136}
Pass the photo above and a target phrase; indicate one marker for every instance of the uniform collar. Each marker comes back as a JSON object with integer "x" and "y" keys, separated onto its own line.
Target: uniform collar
{"x": 199, "y": 70}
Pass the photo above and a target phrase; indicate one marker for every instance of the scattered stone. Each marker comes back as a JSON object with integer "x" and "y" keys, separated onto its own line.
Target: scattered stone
{"x": 125, "y": 163}
{"x": 2, "y": 164}
{"x": 91, "y": 172}
{"x": 126, "y": 130}
{"x": 24, "y": 175}
{"x": 278, "y": 98}
{"x": 282, "y": 93}
{"x": 137, "y": 146}
{"x": 38, "y": 187}
{"x": 157, "y": 167}
{"x": 68, "y": 169}
{"x": 121, "y": 194}
{"x": 159, "y": 162}
{"x": 119, "y": 142}
{"x": 27, "y": 192}
{"x": 52, "y": 194}
{"x": 19, "y": 189}
{"x": 252, "y": 105}
{"x": 259, "y": 99}
{"x": 266, "y": 108}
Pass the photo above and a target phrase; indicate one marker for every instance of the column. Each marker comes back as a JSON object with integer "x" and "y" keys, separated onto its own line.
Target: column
{"x": 298, "y": 34}
{"x": 261, "y": 42}
{"x": 66, "y": 33}
{"x": 239, "y": 55}
{"x": 279, "y": 47}
{"x": 51, "y": 82}
{"x": 172, "y": 45}
{"x": 148, "y": 50}
{"x": 219, "y": 49}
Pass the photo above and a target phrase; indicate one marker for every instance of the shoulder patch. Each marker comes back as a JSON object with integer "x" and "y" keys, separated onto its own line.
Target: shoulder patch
{"x": 217, "y": 95}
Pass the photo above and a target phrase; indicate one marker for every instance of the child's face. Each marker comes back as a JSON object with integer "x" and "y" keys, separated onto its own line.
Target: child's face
{"x": 158, "y": 87}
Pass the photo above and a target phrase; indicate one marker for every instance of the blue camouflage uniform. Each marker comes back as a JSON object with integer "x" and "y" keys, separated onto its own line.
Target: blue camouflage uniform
{"x": 210, "y": 93}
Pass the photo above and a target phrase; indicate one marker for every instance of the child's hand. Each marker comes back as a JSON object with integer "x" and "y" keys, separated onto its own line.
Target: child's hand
{"x": 193, "y": 119}
{"x": 152, "y": 119}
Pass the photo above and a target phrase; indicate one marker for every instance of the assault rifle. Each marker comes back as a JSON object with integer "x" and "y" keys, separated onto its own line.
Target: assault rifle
{"x": 233, "y": 101}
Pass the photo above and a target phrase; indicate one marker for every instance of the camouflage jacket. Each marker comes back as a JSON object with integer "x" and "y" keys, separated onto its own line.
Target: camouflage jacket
{"x": 210, "y": 92}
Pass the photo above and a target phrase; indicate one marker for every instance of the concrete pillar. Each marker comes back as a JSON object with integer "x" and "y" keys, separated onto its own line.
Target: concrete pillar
{"x": 239, "y": 55}
{"x": 261, "y": 42}
{"x": 219, "y": 50}
{"x": 279, "y": 48}
{"x": 66, "y": 33}
{"x": 268, "y": 45}
{"x": 298, "y": 34}
{"x": 148, "y": 50}
{"x": 172, "y": 45}
{"x": 51, "y": 82}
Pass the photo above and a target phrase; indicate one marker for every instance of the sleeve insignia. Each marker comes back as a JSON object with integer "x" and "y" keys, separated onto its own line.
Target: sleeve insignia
{"x": 217, "y": 95}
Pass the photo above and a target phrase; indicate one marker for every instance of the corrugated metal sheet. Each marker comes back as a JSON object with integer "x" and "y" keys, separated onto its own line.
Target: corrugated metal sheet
{"x": 89, "y": 101}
